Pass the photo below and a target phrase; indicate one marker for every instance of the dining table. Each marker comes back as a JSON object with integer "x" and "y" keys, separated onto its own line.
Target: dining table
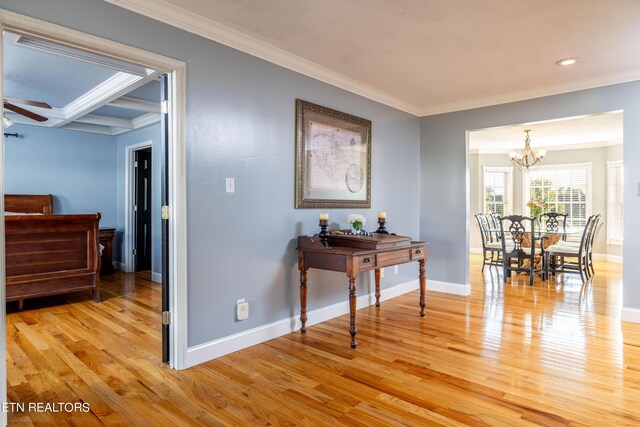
{"x": 546, "y": 238}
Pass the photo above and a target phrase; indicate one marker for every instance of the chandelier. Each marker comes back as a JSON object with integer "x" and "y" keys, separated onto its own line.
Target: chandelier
{"x": 527, "y": 157}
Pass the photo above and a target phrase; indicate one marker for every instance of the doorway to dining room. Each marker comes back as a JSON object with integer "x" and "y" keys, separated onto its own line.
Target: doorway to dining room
{"x": 578, "y": 174}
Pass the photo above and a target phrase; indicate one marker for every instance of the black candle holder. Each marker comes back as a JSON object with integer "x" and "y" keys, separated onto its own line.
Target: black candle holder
{"x": 381, "y": 229}
{"x": 324, "y": 223}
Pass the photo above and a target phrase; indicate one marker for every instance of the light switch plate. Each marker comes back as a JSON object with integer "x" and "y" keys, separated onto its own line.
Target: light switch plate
{"x": 242, "y": 310}
{"x": 230, "y": 185}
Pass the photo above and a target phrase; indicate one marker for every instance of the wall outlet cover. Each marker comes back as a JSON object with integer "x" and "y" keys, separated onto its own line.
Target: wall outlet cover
{"x": 381, "y": 272}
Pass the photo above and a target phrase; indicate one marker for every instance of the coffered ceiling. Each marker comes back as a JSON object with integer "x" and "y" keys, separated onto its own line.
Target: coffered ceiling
{"x": 85, "y": 93}
{"x": 426, "y": 56}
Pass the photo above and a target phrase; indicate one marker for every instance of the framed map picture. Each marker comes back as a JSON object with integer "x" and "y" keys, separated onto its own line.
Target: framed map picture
{"x": 333, "y": 158}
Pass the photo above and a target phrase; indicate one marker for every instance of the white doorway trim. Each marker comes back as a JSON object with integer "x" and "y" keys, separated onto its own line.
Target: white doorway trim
{"x": 176, "y": 71}
{"x": 129, "y": 236}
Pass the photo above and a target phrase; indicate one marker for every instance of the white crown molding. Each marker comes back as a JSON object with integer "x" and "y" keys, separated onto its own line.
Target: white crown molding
{"x": 163, "y": 11}
{"x": 539, "y": 92}
{"x": 146, "y": 120}
{"x": 112, "y": 88}
{"x": 138, "y": 123}
{"x": 130, "y": 103}
{"x": 96, "y": 119}
{"x": 87, "y": 127}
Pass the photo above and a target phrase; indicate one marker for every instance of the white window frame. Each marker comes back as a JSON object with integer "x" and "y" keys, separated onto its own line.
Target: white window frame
{"x": 526, "y": 188}
{"x": 610, "y": 217}
{"x": 508, "y": 170}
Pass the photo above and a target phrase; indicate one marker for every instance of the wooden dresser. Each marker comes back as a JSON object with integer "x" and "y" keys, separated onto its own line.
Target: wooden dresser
{"x": 356, "y": 254}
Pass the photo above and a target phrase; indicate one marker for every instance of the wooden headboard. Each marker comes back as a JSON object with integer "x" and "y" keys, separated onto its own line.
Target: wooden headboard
{"x": 29, "y": 203}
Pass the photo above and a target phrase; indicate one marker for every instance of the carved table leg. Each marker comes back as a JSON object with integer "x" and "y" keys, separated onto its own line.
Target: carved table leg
{"x": 377, "y": 287}
{"x": 423, "y": 286}
{"x": 303, "y": 299}
{"x": 352, "y": 311}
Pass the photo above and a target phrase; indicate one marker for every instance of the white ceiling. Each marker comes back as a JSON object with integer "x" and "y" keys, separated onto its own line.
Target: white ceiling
{"x": 426, "y": 56}
{"x": 597, "y": 130}
{"x": 85, "y": 96}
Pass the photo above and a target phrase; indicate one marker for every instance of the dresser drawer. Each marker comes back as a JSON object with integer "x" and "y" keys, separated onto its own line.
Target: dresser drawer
{"x": 393, "y": 258}
{"x": 366, "y": 262}
{"x": 418, "y": 253}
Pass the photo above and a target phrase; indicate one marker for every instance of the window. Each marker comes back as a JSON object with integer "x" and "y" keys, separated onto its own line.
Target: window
{"x": 615, "y": 214}
{"x": 564, "y": 188}
{"x": 498, "y": 191}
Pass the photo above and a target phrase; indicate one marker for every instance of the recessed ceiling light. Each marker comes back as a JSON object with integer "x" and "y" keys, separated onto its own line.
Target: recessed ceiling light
{"x": 566, "y": 61}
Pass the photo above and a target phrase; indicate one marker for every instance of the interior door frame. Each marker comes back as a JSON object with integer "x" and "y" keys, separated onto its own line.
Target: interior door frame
{"x": 176, "y": 71}
{"x": 129, "y": 235}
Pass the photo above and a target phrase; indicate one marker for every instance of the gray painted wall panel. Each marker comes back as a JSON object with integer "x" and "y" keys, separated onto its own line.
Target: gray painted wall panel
{"x": 240, "y": 123}
{"x": 443, "y": 150}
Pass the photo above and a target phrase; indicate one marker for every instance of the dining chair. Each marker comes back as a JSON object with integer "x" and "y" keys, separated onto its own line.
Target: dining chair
{"x": 579, "y": 252}
{"x": 520, "y": 230}
{"x": 554, "y": 221}
{"x": 592, "y": 236}
{"x": 491, "y": 248}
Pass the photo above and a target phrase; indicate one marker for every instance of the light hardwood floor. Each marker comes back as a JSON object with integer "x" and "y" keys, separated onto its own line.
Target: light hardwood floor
{"x": 552, "y": 354}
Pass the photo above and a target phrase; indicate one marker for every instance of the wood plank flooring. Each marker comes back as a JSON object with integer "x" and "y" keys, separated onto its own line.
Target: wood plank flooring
{"x": 509, "y": 354}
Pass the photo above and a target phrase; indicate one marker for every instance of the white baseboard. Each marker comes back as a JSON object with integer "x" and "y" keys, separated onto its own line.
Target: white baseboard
{"x": 606, "y": 257}
{"x": 449, "y": 288}
{"x": 225, "y": 345}
{"x": 629, "y": 314}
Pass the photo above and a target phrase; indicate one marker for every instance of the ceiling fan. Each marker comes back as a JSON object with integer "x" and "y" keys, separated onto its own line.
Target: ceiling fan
{"x": 10, "y": 104}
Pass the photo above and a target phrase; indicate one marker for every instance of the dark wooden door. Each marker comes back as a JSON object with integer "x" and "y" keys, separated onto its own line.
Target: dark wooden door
{"x": 143, "y": 209}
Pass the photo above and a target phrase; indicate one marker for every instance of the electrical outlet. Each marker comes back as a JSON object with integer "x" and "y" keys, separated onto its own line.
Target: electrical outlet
{"x": 242, "y": 309}
{"x": 231, "y": 185}
{"x": 395, "y": 269}
{"x": 381, "y": 273}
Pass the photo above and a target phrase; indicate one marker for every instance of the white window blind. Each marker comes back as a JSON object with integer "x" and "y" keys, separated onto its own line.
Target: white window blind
{"x": 564, "y": 188}
{"x": 615, "y": 214}
{"x": 498, "y": 190}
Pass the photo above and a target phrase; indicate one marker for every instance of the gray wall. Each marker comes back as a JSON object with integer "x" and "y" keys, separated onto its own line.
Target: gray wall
{"x": 151, "y": 133}
{"x": 78, "y": 168}
{"x": 598, "y": 158}
{"x": 240, "y": 123}
{"x": 445, "y": 202}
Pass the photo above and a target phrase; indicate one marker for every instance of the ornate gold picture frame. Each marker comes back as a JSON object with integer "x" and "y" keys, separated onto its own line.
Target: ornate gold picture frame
{"x": 333, "y": 158}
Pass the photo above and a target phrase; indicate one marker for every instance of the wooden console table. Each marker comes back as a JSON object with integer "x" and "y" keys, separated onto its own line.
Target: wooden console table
{"x": 355, "y": 254}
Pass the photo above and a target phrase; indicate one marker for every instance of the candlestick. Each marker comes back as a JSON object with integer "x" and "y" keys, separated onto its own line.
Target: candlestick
{"x": 382, "y": 221}
{"x": 324, "y": 223}
{"x": 324, "y": 216}
{"x": 382, "y": 215}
